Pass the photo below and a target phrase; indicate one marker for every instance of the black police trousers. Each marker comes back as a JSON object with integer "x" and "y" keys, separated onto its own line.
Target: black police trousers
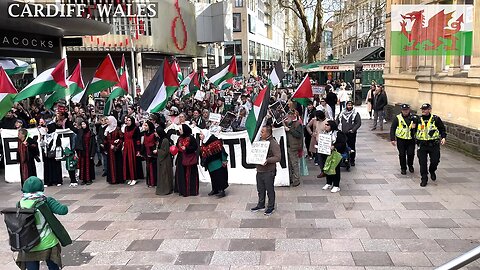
{"x": 406, "y": 152}
{"x": 432, "y": 149}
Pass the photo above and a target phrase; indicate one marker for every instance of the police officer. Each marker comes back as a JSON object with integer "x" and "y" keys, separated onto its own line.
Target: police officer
{"x": 402, "y": 135}
{"x": 430, "y": 135}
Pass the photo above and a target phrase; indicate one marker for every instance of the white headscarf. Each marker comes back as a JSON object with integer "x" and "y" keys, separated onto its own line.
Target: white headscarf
{"x": 206, "y": 134}
{"x": 112, "y": 125}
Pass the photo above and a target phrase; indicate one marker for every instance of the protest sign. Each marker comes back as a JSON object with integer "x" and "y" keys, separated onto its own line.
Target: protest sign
{"x": 318, "y": 90}
{"x": 324, "y": 144}
{"x": 199, "y": 95}
{"x": 278, "y": 112}
{"x": 215, "y": 117}
{"x": 258, "y": 152}
{"x": 227, "y": 120}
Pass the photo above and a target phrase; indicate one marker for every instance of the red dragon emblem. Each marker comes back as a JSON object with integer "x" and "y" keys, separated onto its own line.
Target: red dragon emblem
{"x": 435, "y": 34}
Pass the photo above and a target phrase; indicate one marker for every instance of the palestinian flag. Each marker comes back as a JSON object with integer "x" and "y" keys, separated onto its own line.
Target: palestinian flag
{"x": 75, "y": 86}
{"x": 176, "y": 70}
{"x": 81, "y": 97}
{"x": 197, "y": 81}
{"x": 51, "y": 80}
{"x": 13, "y": 66}
{"x": 226, "y": 84}
{"x": 432, "y": 30}
{"x": 7, "y": 93}
{"x": 105, "y": 76}
{"x": 223, "y": 72}
{"x": 304, "y": 92}
{"x": 162, "y": 86}
{"x": 277, "y": 73}
{"x": 257, "y": 113}
{"x": 120, "y": 89}
{"x": 187, "y": 79}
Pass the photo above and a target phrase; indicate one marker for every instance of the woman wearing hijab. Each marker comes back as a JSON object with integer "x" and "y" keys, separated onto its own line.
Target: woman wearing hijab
{"x": 339, "y": 143}
{"x": 164, "y": 164}
{"x": 186, "y": 175}
{"x": 113, "y": 147}
{"x": 86, "y": 149}
{"x": 214, "y": 159}
{"x": 149, "y": 152}
{"x": 132, "y": 164}
{"x": 52, "y": 167}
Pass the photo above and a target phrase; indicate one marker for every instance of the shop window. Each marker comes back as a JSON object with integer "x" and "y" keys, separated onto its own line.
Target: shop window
{"x": 237, "y": 22}
{"x": 238, "y": 3}
{"x": 251, "y": 48}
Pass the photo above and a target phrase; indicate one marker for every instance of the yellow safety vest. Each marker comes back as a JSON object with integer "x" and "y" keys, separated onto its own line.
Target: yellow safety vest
{"x": 403, "y": 131}
{"x": 423, "y": 131}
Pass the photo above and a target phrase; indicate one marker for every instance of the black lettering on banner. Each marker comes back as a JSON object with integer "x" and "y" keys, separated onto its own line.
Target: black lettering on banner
{"x": 8, "y": 151}
{"x": 231, "y": 143}
{"x": 243, "y": 145}
{"x": 283, "y": 160}
{"x": 70, "y": 136}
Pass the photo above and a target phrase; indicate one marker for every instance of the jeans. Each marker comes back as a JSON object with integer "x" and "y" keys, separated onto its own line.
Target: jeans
{"x": 265, "y": 181}
{"x": 351, "y": 141}
{"x": 378, "y": 117}
{"x": 36, "y": 265}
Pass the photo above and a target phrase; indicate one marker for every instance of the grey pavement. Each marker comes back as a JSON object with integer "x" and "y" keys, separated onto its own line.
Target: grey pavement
{"x": 379, "y": 220}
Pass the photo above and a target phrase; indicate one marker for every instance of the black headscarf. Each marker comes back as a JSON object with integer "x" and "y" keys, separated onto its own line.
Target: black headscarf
{"x": 333, "y": 125}
{"x": 187, "y": 131}
{"x": 132, "y": 126}
{"x": 161, "y": 133}
{"x": 151, "y": 127}
{"x": 51, "y": 127}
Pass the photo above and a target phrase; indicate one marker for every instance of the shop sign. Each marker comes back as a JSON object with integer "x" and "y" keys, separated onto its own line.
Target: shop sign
{"x": 373, "y": 66}
{"x": 28, "y": 44}
{"x": 334, "y": 68}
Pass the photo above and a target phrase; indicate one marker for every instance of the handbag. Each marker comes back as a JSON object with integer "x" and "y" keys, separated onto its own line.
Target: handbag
{"x": 332, "y": 162}
{"x": 189, "y": 159}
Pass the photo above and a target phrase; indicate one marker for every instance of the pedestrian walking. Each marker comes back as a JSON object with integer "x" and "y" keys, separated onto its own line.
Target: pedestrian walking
{"x": 379, "y": 102}
{"x": 339, "y": 143}
{"x": 186, "y": 175}
{"x": 266, "y": 173}
{"x": 349, "y": 121}
{"x": 431, "y": 133}
{"x": 214, "y": 159}
{"x": 164, "y": 163}
{"x": 402, "y": 135}
{"x": 294, "y": 130}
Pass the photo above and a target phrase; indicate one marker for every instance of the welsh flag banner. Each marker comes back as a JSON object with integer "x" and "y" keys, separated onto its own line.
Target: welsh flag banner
{"x": 431, "y": 30}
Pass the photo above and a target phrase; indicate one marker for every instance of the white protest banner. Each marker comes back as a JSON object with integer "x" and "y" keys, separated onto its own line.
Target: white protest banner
{"x": 324, "y": 144}
{"x": 215, "y": 117}
{"x": 318, "y": 90}
{"x": 238, "y": 146}
{"x": 199, "y": 95}
{"x": 10, "y": 146}
{"x": 258, "y": 153}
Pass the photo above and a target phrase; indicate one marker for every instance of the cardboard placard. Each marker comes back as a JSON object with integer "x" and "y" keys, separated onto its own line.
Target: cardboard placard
{"x": 258, "y": 153}
{"x": 199, "y": 95}
{"x": 324, "y": 144}
{"x": 228, "y": 120}
{"x": 278, "y": 112}
{"x": 215, "y": 117}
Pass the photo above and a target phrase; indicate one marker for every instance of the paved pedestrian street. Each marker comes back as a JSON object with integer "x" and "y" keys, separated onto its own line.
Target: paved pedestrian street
{"x": 379, "y": 220}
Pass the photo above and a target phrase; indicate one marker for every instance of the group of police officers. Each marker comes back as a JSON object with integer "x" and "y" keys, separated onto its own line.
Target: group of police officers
{"x": 426, "y": 132}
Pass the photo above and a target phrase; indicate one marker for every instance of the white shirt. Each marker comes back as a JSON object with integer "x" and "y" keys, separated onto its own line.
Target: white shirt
{"x": 343, "y": 95}
{"x": 327, "y": 110}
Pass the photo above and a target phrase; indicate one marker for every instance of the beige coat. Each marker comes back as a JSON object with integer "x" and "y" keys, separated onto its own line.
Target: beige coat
{"x": 369, "y": 103}
{"x": 314, "y": 128}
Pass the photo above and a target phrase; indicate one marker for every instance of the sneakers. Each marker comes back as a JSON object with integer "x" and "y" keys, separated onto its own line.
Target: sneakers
{"x": 269, "y": 211}
{"x": 433, "y": 176}
{"x": 129, "y": 182}
{"x": 257, "y": 208}
{"x": 59, "y": 185}
{"x": 411, "y": 169}
{"x": 73, "y": 185}
{"x": 335, "y": 189}
{"x": 133, "y": 182}
{"x": 45, "y": 186}
{"x": 327, "y": 186}
{"x": 403, "y": 172}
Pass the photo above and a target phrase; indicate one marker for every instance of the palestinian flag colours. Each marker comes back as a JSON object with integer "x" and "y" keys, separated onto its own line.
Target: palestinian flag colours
{"x": 7, "y": 93}
{"x": 304, "y": 92}
{"x": 13, "y": 66}
{"x": 277, "y": 73}
{"x": 224, "y": 72}
{"x": 257, "y": 113}
{"x": 120, "y": 89}
{"x": 105, "y": 76}
{"x": 75, "y": 86}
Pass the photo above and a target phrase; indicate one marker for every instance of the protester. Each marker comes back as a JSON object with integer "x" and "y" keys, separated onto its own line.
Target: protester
{"x": 294, "y": 129}
{"x": 198, "y": 120}
{"x": 102, "y": 125}
{"x": 48, "y": 250}
{"x": 186, "y": 175}
{"x": 402, "y": 135}
{"x": 148, "y": 147}
{"x": 27, "y": 153}
{"x": 315, "y": 127}
{"x": 239, "y": 123}
{"x": 9, "y": 120}
{"x": 214, "y": 160}
{"x": 113, "y": 145}
{"x": 132, "y": 164}
{"x": 349, "y": 121}
{"x": 85, "y": 147}
{"x": 324, "y": 107}
{"x": 71, "y": 163}
{"x": 266, "y": 173}
{"x": 331, "y": 99}
{"x": 52, "y": 153}
{"x": 339, "y": 143}
{"x": 164, "y": 163}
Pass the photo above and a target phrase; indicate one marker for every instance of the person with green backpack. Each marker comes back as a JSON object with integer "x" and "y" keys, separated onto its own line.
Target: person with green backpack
{"x": 332, "y": 164}
{"x": 48, "y": 249}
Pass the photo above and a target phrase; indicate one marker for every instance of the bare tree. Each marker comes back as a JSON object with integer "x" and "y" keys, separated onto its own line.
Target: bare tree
{"x": 377, "y": 11}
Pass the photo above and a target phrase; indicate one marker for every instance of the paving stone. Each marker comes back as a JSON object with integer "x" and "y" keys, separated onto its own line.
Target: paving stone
{"x": 179, "y": 245}
{"x": 323, "y": 214}
{"x": 130, "y": 267}
{"x": 331, "y": 258}
{"x": 114, "y": 258}
{"x": 213, "y": 245}
{"x": 145, "y": 245}
{"x": 194, "y": 258}
{"x": 67, "y": 202}
{"x": 341, "y": 245}
{"x": 312, "y": 199}
{"x": 354, "y": 193}
{"x": 474, "y": 213}
{"x": 434, "y": 233}
{"x": 351, "y": 233}
{"x": 73, "y": 255}
{"x": 201, "y": 207}
{"x": 308, "y": 233}
{"x": 357, "y": 206}
{"x": 384, "y": 245}
{"x": 236, "y": 258}
{"x": 439, "y": 258}
{"x": 370, "y": 181}
{"x": 104, "y": 196}
{"x": 153, "y": 216}
{"x": 418, "y": 245}
{"x": 87, "y": 209}
{"x": 403, "y": 192}
{"x": 285, "y": 258}
{"x": 268, "y": 233}
{"x": 95, "y": 225}
{"x": 252, "y": 245}
{"x": 423, "y": 206}
{"x": 439, "y": 223}
{"x": 298, "y": 245}
{"x": 467, "y": 233}
{"x": 390, "y": 233}
{"x": 152, "y": 257}
{"x": 409, "y": 259}
{"x": 108, "y": 245}
{"x": 261, "y": 223}
{"x": 371, "y": 258}
{"x": 97, "y": 235}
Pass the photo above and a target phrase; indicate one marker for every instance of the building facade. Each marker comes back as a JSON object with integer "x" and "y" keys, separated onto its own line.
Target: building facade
{"x": 450, "y": 83}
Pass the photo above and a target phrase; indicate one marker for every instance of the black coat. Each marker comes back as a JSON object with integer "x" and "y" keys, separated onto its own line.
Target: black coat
{"x": 380, "y": 101}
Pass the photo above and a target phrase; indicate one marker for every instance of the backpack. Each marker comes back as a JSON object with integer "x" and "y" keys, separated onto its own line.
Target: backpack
{"x": 22, "y": 231}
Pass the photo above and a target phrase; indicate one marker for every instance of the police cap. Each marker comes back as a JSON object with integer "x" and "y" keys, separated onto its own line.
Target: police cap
{"x": 426, "y": 106}
{"x": 405, "y": 106}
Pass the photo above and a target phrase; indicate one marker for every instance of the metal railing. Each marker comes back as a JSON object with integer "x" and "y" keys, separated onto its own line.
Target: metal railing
{"x": 461, "y": 260}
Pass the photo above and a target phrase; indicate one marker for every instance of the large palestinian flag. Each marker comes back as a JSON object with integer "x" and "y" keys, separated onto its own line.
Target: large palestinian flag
{"x": 304, "y": 92}
{"x": 162, "y": 86}
{"x": 13, "y": 66}
{"x": 51, "y": 80}
{"x": 120, "y": 89}
{"x": 277, "y": 73}
{"x": 257, "y": 113}
{"x": 105, "y": 76}
{"x": 75, "y": 86}
{"x": 432, "y": 30}
{"x": 7, "y": 93}
{"x": 223, "y": 72}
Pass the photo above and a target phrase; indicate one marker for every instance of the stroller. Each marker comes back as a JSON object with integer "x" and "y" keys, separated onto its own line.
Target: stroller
{"x": 345, "y": 162}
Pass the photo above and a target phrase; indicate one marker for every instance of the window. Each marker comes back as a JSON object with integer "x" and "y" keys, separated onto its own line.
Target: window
{"x": 238, "y": 3}
{"x": 251, "y": 48}
{"x": 251, "y": 24}
{"x": 237, "y": 22}
{"x": 233, "y": 47}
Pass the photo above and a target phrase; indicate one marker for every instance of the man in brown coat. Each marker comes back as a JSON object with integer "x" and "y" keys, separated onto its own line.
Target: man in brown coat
{"x": 266, "y": 172}
{"x": 294, "y": 132}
